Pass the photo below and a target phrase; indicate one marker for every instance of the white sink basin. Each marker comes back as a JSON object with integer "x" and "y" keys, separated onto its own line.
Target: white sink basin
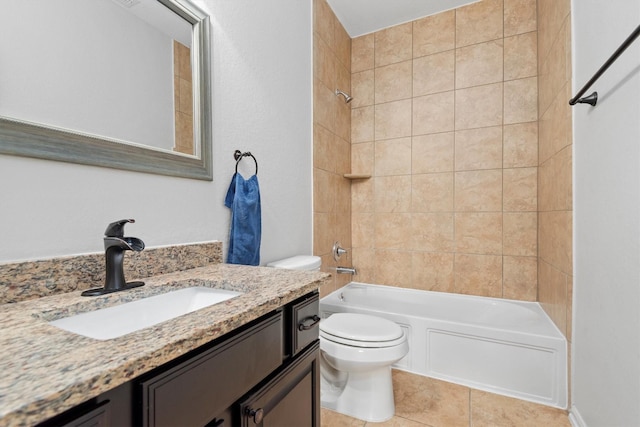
{"x": 119, "y": 320}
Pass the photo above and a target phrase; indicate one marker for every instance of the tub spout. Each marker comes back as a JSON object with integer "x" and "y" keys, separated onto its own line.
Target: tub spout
{"x": 346, "y": 270}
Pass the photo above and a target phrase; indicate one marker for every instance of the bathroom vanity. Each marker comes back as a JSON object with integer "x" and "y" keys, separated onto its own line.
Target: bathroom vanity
{"x": 250, "y": 360}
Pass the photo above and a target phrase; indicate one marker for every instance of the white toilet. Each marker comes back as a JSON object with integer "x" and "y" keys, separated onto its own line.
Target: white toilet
{"x": 357, "y": 351}
{"x": 356, "y": 354}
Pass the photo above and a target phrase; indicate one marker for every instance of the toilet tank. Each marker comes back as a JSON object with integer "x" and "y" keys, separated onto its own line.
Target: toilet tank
{"x": 298, "y": 262}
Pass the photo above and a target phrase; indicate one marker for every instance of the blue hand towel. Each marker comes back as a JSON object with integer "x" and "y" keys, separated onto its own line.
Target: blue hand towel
{"x": 243, "y": 198}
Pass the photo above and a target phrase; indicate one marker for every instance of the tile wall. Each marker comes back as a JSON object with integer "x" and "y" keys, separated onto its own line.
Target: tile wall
{"x": 555, "y": 254}
{"x": 331, "y": 141}
{"x": 445, "y": 119}
{"x": 183, "y": 99}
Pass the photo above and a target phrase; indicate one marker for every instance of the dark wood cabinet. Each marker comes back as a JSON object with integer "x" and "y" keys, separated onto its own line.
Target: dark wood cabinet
{"x": 291, "y": 398}
{"x": 267, "y": 371}
{"x": 194, "y": 392}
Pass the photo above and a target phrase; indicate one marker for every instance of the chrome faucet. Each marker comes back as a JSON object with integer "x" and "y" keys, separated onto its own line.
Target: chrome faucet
{"x": 115, "y": 244}
{"x": 346, "y": 270}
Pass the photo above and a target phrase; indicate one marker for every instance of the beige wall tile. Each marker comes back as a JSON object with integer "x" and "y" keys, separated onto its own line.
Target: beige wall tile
{"x": 393, "y": 193}
{"x": 362, "y": 53}
{"x": 433, "y": 73}
{"x": 520, "y": 234}
{"x": 520, "y": 189}
{"x": 519, "y": 17}
{"x": 362, "y": 124}
{"x": 392, "y": 230}
{"x": 343, "y": 120}
{"x": 555, "y": 126}
{"x": 478, "y": 191}
{"x": 555, "y": 231}
{"x": 363, "y": 230}
{"x": 362, "y": 195}
{"x": 552, "y": 294}
{"x": 393, "y": 44}
{"x": 343, "y": 206}
{"x": 520, "y": 278}
{"x": 552, "y": 14}
{"x": 478, "y": 148}
{"x": 393, "y": 157}
{"x": 343, "y": 81}
{"x": 325, "y": 190}
{"x": 521, "y": 100}
{"x": 553, "y": 70}
{"x": 432, "y": 192}
{"x": 362, "y": 89}
{"x": 433, "y": 113}
{"x": 521, "y": 56}
{"x": 432, "y": 232}
{"x": 432, "y": 271}
{"x": 323, "y": 157}
{"x": 479, "y": 64}
{"x": 393, "y": 82}
{"x": 393, "y": 119}
{"x": 479, "y": 233}
{"x": 478, "y": 275}
{"x": 479, "y": 22}
{"x": 342, "y": 156}
{"x": 362, "y": 158}
{"x": 555, "y": 182}
{"x": 393, "y": 268}
{"x": 479, "y": 106}
{"x": 520, "y": 145}
{"x": 324, "y": 111}
{"x": 449, "y": 179}
{"x": 433, "y": 34}
{"x": 492, "y": 410}
{"x": 432, "y": 153}
{"x": 323, "y": 222}
{"x": 342, "y": 45}
{"x": 324, "y": 62}
{"x": 429, "y": 401}
{"x": 324, "y": 21}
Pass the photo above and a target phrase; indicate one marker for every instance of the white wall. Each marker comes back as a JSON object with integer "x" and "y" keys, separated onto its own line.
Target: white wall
{"x": 262, "y": 86}
{"x": 606, "y": 324}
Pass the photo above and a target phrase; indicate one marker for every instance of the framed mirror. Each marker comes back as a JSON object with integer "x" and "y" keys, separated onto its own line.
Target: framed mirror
{"x": 76, "y": 91}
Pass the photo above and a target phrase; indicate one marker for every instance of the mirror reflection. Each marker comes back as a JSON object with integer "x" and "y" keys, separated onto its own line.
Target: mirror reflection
{"x": 115, "y": 69}
{"x": 117, "y": 83}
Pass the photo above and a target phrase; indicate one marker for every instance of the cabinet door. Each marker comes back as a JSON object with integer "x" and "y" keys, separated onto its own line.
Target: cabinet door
{"x": 195, "y": 392}
{"x": 292, "y": 398}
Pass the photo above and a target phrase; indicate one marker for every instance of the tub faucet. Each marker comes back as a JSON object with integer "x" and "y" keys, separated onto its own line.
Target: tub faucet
{"x": 115, "y": 244}
{"x": 346, "y": 270}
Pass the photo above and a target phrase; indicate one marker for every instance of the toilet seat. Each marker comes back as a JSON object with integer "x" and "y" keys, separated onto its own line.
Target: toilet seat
{"x": 361, "y": 330}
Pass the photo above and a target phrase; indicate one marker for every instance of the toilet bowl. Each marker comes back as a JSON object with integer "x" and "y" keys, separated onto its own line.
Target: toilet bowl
{"x": 356, "y": 354}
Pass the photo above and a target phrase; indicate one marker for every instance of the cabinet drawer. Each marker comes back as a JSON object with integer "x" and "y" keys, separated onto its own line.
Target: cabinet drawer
{"x": 194, "y": 392}
{"x": 306, "y": 321}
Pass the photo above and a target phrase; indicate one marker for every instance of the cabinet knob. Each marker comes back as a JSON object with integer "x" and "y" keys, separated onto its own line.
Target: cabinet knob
{"x": 256, "y": 414}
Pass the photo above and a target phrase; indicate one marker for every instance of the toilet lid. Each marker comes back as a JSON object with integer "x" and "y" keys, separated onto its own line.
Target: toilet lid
{"x": 360, "y": 328}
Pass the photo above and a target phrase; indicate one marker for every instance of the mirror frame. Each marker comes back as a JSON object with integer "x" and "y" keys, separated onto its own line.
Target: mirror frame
{"x": 41, "y": 141}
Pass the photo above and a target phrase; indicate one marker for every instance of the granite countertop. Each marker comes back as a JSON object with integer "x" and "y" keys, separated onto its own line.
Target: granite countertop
{"x": 45, "y": 370}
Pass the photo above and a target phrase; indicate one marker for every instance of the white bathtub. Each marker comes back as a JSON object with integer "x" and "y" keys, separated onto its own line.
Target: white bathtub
{"x": 502, "y": 346}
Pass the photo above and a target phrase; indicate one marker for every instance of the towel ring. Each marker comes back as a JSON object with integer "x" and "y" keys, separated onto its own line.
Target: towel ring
{"x": 238, "y": 155}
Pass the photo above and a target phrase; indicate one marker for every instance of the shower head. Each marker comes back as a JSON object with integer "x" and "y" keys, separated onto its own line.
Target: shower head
{"x": 347, "y": 97}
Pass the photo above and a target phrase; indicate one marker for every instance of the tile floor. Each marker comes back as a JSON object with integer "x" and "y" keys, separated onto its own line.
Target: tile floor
{"x": 422, "y": 401}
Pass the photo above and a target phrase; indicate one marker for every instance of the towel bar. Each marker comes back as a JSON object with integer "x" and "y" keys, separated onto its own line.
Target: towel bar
{"x": 238, "y": 155}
